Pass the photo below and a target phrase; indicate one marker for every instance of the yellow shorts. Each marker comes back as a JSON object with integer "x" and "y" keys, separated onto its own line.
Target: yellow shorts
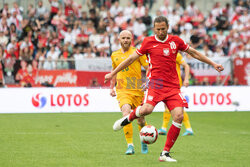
{"x": 132, "y": 100}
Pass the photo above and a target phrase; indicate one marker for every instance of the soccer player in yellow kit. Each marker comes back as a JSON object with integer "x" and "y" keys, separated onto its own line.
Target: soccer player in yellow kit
{"x": 128, "y": 86}
{"x": 166, "y": 114}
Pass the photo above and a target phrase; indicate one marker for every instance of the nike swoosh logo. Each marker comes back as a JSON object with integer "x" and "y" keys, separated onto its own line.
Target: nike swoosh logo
{"x": 155, "y": 46}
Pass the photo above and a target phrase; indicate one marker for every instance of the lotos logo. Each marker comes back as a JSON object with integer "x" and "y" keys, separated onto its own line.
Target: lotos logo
{"x": 39, "y": 101}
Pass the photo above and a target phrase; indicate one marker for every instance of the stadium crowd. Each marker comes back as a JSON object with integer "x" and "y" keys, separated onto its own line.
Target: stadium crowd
{"x": 42, "y": 38}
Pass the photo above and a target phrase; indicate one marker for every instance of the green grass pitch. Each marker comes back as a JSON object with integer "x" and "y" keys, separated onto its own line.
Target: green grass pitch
{"x": 87, "y": 140}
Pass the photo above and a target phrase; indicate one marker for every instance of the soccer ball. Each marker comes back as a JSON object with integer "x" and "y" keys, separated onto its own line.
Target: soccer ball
{"x": 148, "y": 134}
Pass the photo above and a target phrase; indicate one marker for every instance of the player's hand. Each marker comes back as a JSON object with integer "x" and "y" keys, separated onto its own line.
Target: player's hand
{"x": 186, "y": 83}
{"x": 108, "y": 77}
{"x": 219, "y": 67}
{"x": 112, "y": 93}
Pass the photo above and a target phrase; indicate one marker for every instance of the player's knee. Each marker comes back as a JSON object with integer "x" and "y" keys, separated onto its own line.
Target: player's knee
{"x": 178, "y": 118}
{"x": 145, "y": 111}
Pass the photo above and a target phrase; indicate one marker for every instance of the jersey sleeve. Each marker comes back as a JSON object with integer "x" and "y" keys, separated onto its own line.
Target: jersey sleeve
{"x": 179, "y": 59}
{"x": 143, "y": 48}
{"x": 113, "y": 62}
{"x": 182, "y": 45}
{"x": 143, "y": 60}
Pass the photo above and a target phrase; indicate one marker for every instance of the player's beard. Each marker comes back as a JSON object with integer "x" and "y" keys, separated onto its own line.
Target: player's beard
{"x": 126, "y": 46}
{"x": 162, "y": 36}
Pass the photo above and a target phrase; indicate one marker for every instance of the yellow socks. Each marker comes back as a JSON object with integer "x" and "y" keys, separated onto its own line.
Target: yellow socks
{"x": 186, "y": 121}
{"x": 128, "y": 132}
{"x": 166, "y": 118}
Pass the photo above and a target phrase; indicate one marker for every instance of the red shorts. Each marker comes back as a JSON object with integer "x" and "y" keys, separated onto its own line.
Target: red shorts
{"x": 171, "y": 97}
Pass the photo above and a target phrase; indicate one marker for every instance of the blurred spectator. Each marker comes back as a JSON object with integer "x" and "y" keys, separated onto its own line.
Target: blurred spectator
{"x": 40, "y": 55}
{"x": 54, "y": 8}
{"x": 82, "y": 39}
{"x": 49, "y": 64}
{"x": 103, "y": 47}
{"x": 138, "y": 28}
{"x": 3, "y": 39}
{"x": 120, "y": 19}
{"x": 196, "y": 40}
{"x": 216, "y": 9}
{"x": 41, "y": 10}
{"x": 103, "y": 12}
{"x": 192, "y": 9}
{"x": 53, "y": 53}
{"x": 13, "y": 48}
{"x": 88, "y": 53}
{"x": 26, "y": 49}
{"x": 94, "y": 83}
{"x": 62, "y": 63}
{"x": 115, "y": 45}
{"x": 94, "y": 38}
{"x": 89, "y": 28}
{"x": 218, "y": 52}
{"x": 5, "y": 9}
{"x": 2, "y": 55}
{"x": 198, "y": 19}
{"x": 166, "y": 9}
{"x": 206, "y": 51}
{"x": 101, "y": 27}
{"x": 93, "y": 4}
{"x": 68, "y": 35}
{"x": 234, "y": 82}
{"x": 210, "y": 22}
{"x": 115, "y": 9}
{"x": 147, "y": 19}
{"x": 185, "y": 35}
{"x": 217, "y": 82}
{"x": 129, "y": 10}
{"x": 9, "y": 62}
{"x": 93, "y": 17}
{"x": 77, "y": 53}
{"x": 58, "y": 20}
{"x": 139, "y": 10}
{"x": 28, "y": 79}
{"x": 21, "y": 73}
{"x": 222, "y": 21}
{"x": 179, "y": 9}
{"x": 84, "y": 18}
{"x": 243, "y": 52}
{"x": 66, "y": 51}
{"x": 205, "y": 81}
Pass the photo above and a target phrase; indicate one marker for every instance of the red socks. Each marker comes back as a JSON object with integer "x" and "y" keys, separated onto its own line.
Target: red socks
{"x": 134, "y": 114}
{"x": 172, "y": 135}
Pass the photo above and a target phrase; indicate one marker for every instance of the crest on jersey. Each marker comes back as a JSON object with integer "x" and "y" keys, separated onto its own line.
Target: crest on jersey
{"x": 173, "y": 46}
{"x": 166, "y": 51}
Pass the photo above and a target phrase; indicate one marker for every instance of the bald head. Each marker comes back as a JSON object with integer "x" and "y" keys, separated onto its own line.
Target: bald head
{"x": 125, "y": 38}
{"x": 125, "y": 33}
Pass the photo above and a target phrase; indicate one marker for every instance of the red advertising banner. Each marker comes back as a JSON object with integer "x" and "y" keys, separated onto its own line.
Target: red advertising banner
{"x": 57, "y": 78}
{"x": 242, "y": 70}
{"x": 1, "y": 73}
{"x": 91, "y": 78}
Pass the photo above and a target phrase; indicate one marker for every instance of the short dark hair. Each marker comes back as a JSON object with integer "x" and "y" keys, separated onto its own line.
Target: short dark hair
{"x": 160, "y": 19}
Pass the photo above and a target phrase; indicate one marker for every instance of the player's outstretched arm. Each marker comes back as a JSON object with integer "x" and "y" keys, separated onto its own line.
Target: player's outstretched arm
{"x": 197, "y": 55}
{"x": 112, "y": 86}
{"x": 121, "y": 66}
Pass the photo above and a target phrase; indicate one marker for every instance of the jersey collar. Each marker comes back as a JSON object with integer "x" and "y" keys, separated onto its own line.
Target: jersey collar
{"x": 157, "y": 39}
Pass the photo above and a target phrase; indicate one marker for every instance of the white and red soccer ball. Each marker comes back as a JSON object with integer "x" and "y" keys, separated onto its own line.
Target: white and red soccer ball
{"x": 148, "y": 134}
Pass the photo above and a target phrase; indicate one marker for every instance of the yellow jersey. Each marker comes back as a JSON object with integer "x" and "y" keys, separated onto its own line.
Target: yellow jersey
{"x": 179, "y": 61}
{"x": 129, "y": 80}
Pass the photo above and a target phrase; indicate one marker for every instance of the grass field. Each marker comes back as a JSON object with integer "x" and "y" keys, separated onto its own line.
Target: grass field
{"x": 87, "y": 140}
